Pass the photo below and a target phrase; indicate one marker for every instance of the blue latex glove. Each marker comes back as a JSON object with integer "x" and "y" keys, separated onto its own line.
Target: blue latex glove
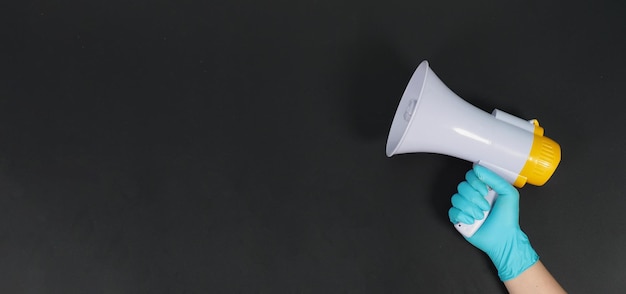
{"x": 500, "y": 235}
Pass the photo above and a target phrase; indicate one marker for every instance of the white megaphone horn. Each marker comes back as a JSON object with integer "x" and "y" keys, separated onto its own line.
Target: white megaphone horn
{"x": 431, "y": 118}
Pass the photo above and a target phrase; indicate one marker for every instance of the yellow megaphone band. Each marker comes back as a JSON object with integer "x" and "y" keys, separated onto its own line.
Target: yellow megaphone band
{"x": 544, "y": 157}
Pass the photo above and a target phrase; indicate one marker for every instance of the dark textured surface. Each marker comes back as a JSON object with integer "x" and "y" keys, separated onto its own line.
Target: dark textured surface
{"x": 238, "y": 146}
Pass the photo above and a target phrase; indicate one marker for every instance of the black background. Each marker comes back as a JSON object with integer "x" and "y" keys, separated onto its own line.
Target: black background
{"x": 238, "y": 146}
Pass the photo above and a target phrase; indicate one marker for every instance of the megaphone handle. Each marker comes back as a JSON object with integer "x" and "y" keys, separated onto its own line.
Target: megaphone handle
{"x": 469, "y": 230}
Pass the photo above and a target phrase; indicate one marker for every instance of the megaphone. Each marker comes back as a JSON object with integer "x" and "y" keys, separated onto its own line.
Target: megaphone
{"x": 431, "y": 118}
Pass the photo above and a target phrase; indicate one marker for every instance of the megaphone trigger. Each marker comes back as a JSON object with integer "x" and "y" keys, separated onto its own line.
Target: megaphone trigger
{"x": 468, "y": 230}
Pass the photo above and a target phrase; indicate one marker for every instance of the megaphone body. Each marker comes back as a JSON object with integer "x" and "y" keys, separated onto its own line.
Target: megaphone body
{"x": 431, "y": 118}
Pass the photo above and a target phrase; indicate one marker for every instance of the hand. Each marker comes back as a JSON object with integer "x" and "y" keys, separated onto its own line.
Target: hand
{"x": 500, "y": 236}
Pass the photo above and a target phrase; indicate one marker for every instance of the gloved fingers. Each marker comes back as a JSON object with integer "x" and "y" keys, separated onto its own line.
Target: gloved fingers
{"x": 473, "y": 180}
{"x": 473, "y": 195}
{"x": 467, "y": 206}
{"x": 458, "y": 216}
{"x": 497, "y": 183}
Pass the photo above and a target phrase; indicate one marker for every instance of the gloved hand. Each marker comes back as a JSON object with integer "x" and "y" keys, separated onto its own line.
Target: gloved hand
{"x": 500, "y": 235}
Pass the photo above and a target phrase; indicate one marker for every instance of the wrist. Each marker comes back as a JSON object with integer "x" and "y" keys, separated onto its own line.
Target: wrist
{"x": 515, "y": 256}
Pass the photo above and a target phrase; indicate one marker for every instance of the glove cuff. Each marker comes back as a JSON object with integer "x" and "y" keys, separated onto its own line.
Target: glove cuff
{"x": 516, "y": 257}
